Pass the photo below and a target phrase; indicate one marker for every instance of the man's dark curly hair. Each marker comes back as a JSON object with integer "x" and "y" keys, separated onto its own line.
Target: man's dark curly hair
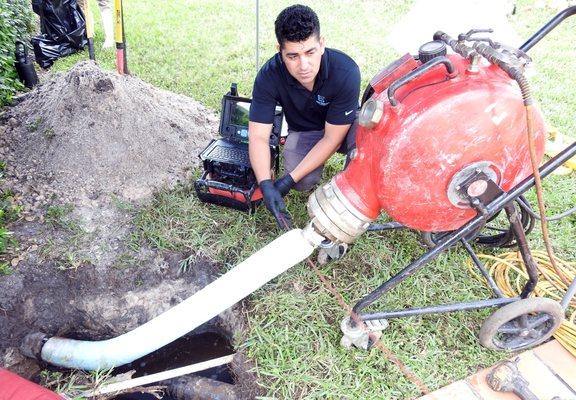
{"x": 296, "y": 24}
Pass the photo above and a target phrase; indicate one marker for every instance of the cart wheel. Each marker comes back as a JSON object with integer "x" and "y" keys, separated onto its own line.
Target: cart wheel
{"x": 522, "y": 324}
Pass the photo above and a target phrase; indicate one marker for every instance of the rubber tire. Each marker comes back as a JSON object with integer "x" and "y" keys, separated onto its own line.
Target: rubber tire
{"x": 514, "y": 310}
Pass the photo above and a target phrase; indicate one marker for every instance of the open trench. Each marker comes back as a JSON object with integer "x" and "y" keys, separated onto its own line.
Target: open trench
{"x": 74, "y": 175}
{"x": 48, "y": 293}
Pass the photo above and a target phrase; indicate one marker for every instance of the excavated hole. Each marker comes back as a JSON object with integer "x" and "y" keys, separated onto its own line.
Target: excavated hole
{"x": 206, "y": 342}
{"x": 76, "y": 172}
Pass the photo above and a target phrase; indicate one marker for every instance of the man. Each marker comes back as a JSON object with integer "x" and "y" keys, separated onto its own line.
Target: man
{"x": 318, "y": 89}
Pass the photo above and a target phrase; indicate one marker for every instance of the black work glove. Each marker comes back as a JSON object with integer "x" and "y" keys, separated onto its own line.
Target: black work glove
{"x": 284, "y": 184}
{"x": 275, "y": 204}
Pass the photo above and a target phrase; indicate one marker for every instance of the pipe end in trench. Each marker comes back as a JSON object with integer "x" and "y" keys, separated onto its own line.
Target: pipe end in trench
{"x": 32, "y": 345}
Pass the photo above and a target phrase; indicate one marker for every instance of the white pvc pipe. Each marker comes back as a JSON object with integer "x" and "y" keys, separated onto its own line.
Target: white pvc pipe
{"x": 258, "y": 269}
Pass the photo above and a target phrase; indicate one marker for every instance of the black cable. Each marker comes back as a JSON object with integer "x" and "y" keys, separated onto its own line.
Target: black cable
{"x": 524, "y": 204}
{"x": 383, "y": 227}
{"x": 506, "y": 239}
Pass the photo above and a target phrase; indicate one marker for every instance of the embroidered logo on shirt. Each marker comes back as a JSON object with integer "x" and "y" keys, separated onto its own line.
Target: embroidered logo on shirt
{"x": 348, "y": 112}
{"x": 321, "y": 100}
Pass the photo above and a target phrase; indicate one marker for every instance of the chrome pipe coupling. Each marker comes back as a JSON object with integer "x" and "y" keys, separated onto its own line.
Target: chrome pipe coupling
{"x": 333, "y": 216}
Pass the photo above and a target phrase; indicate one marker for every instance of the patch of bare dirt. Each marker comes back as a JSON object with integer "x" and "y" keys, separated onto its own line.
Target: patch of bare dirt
{"x": 82, "y": 152}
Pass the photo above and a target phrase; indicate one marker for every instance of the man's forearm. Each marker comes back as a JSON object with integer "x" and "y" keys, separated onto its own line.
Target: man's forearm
{"x": 259, "y": 151}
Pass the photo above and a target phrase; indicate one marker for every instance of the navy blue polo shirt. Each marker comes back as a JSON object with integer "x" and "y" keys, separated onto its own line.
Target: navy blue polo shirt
{"x": 334, "y": 98}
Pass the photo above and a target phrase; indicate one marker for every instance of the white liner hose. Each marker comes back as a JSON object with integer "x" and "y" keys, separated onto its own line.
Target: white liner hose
{"x": 248, "y": 276}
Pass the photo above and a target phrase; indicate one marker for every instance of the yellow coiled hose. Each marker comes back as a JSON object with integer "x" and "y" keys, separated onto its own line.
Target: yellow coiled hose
{"x": 510, "y": 275}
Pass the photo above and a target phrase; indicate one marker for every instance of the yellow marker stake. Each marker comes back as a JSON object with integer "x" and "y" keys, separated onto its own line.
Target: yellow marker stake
{"x": 120, "y": 38}
{"x": 119, "y": 32}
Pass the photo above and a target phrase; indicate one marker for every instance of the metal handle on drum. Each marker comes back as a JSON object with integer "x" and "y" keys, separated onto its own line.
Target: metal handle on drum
{"x": 418, "y": 72}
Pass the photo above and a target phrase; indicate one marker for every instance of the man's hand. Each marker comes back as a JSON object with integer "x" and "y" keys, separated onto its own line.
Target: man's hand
{"x": 275, "y": 204}
{"x": 284, "y": 184}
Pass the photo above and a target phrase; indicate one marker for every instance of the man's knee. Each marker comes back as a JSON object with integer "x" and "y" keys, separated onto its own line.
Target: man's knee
{"x": 308, "y": 182}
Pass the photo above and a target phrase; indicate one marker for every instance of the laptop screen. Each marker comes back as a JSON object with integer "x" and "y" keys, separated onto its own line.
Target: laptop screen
{"x": 239, "y": 117}
{"x": 236, "y": 116}
{"x": 240, "y": 112}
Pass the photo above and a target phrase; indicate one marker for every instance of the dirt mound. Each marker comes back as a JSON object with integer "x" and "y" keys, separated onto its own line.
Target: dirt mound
{"x": 91, "y": 131}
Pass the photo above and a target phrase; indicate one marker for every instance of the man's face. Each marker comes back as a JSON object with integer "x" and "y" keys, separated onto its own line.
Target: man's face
{"x": 302, "y": 59}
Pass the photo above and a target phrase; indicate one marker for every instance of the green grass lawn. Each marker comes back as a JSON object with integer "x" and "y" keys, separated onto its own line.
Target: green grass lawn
{"x": 198, "y": 48}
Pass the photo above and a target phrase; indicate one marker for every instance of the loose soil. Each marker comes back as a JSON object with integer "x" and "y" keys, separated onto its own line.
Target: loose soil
{"x": 83, "y": 151}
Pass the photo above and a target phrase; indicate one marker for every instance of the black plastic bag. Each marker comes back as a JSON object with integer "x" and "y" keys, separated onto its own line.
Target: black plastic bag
{"x": 63, "y": 30}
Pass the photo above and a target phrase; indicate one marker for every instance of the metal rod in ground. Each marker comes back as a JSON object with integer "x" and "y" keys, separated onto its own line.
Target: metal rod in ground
{"x": 257, "y": 36}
